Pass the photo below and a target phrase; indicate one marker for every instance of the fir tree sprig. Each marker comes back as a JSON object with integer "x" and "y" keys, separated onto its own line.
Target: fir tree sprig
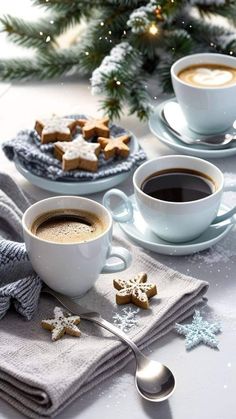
{"x": 227, "y": 10}
{"x": 15, "y": 69}
{"x": 26, "y": 34}
{"x": 119, "y": 51}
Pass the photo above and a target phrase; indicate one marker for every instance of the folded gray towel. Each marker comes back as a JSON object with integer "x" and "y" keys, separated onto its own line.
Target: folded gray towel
{"x": 39, "y": 158}
{"x": 18, "y": 283}
{"x": 40, "y": 377}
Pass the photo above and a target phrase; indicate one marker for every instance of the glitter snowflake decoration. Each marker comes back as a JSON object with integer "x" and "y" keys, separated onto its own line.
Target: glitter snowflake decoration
{"x": 127, "y": 319}
{"x": 199, "y": 331}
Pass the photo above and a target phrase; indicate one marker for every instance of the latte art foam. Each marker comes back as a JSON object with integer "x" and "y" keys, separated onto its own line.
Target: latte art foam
{"x": 208, "y": 75}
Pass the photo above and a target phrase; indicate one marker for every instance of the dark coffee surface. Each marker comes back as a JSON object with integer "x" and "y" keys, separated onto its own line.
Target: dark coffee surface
{"x": 178, "y": 185}
{"x": 67, "y": 226}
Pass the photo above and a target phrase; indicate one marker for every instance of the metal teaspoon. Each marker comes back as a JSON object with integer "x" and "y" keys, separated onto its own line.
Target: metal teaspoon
{"x": 173, "y": 118}
{"x": 154, "y": 381}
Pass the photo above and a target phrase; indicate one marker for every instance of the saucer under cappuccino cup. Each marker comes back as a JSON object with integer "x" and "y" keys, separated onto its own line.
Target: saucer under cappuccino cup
{"x": 205, "y": 88}
{"x": 69, "y": 243}
{"x": 179, "y": 208}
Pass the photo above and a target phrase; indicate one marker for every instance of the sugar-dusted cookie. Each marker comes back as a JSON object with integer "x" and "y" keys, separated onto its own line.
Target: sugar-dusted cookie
{"x": 134, "y": 290}
{"x": 94, "y": 127}
{"x": 115, "y": 146}
{"x": 55, "y": 129}
{"x": 61, "y": 324}
{"x": 78, "y": 154}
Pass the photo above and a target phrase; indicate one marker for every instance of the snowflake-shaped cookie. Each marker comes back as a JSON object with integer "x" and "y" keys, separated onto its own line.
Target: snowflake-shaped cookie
{"x": 199, "y": 331}
{"x": 61, "y": 324}
{"x": 55, "y": 129}
{"x": 115, "y": 146}
{"x": 78, "y": 154}
{"x": 135, "y": 290}
{"x": 94, "y": 127}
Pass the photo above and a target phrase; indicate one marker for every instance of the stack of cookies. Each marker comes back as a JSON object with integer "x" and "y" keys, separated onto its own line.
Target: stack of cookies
{"x": 80, "y": 152}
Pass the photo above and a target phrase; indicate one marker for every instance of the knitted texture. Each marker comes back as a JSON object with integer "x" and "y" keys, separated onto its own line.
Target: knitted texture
{"x": 39, "y": 158}
{"x": 18, "y": 283}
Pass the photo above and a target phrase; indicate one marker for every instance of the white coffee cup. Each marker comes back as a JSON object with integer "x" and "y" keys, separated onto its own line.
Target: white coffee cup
{"x": 207, "y": 110}
{"x": 72, "y": 268}
{"x": 173, "y": 221}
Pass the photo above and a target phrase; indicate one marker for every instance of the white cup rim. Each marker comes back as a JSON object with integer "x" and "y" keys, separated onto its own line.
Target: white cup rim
{"x": 28, "y": 231}
{"x": 203, "y": 54}
{"x": 170, "y": 203}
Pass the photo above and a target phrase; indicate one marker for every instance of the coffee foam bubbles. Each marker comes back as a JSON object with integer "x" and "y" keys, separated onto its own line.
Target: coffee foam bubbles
{"x": 68, "y": 226}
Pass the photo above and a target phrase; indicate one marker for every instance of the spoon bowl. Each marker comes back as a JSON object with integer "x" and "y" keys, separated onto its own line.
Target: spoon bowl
{"x": 173, "y": 118}
{"x": 154, "y": 381}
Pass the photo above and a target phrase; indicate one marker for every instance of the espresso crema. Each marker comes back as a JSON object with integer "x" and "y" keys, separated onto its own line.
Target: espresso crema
{"x": 68, "y": 226}
{"x": 208, "y": 75}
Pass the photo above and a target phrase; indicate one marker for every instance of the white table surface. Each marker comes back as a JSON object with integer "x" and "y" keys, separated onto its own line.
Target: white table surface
{"x": 205, "y": 377}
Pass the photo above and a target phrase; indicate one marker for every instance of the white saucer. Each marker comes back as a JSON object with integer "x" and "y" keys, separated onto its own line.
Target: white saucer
{"x": 77, "y": 187}
{"x": 138, "y": 230}
{"x": 160, "y": 130}
{"x": 72, "y": 187}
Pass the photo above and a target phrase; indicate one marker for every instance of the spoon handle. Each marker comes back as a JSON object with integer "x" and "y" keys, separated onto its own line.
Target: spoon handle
{"x": 116, "y": 331}
{"x": 94, "y": 317}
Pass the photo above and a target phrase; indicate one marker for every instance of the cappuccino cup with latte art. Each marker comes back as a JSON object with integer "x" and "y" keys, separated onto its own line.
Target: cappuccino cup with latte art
{"x": 205, "y": 87}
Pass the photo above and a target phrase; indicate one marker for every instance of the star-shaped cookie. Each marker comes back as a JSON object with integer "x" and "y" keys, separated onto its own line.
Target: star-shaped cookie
{"x": 78, "y": 154}
{"x": 62, "y": 324}
{"x": 135, "y": 290}
{"x": 94, "y": 127}
{"x": 55, "y": 129}
{"x": 114, "y": 146}
{"x": 199, "y": 331}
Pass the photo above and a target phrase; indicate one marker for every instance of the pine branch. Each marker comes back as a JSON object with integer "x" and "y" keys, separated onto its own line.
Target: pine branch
{"x": 25, "y": 33}
{"x": 112, "y": 107}
{"x": 206, "y": 36}
{"x": 139, "y": 100}
{"x": 47, "y": 65}
{"x": 92, "y": 54}
{"x": 62, "y": 5}
{"x": 227, "y": 10}
{"x": 59, "y": 62}
{"x": 13, "y": 69}
{"x": 178, "y": 43}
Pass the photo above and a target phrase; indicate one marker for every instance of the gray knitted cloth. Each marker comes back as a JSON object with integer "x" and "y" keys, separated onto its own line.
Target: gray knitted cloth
{"x": 39, "y": 159}
{"x": 19, "y": 285}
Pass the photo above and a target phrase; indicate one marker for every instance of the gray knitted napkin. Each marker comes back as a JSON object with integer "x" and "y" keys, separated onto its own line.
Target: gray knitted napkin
{"x": 40, "y": 377}
{"x": 19, "y": 285}
{"x": 39, "y": 158}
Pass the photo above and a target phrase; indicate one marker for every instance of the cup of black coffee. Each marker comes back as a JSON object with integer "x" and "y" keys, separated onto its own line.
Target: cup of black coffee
{"x": 68, "y": 240}
{"x": 178, "y": 197}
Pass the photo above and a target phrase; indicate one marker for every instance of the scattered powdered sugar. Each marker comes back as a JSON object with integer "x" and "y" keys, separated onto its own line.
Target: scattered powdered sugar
{"x": 126, "y": 319}
{"x": 221, "y": 252}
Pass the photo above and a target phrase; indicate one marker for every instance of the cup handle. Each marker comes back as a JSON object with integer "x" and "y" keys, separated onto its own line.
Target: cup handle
{"x": 124, "y": 263}
{"x": 230, "y": 213}
{"x": 224, "y": 216}
{"x": 123, "y": 215}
